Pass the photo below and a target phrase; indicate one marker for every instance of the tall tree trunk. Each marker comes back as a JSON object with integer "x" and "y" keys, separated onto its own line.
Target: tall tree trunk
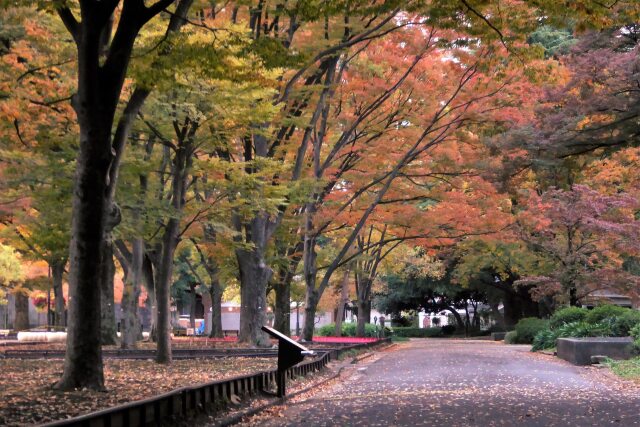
{"x": 282, "y": 312}
{"x": 254, "y": 277}
{"x": 21, "y": 321}
{"x": 163, "y": 288}
{"x": 108, "y": 310}
{"x": 573, "y": 296}
{"x": 456, "y": 315}
{"x": 57, "y": 271}
{"x": 100, "y": 82}
{"x": 344, "y": 297}
{"x": 83, "y": 358}
{"x": 130, "y": 325}
{"x": 310, "y": 306}
{"x": 312, "y": 296}
{"x": 216, "y": 307}
{"x": 361, "y": 321}
{"x": 363, "y": 303}
{"x": 511, "y": 310}
{"x": 497, "y": 315}
{"x": 192, "y": 305}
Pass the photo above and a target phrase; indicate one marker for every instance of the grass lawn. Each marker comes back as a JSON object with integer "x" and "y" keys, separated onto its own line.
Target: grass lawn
{"x": 627, "y": 369}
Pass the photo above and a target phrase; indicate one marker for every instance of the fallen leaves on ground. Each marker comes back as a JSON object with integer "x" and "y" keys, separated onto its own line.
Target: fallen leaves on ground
{"x": 26, "y": 396}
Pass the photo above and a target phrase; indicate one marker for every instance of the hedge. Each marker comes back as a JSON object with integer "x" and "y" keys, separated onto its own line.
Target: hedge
{"x": 410, "y": 332}
{"x": 348, "y": 330}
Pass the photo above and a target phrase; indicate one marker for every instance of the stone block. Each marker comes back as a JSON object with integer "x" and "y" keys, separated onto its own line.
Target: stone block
{"x": 580, "y": 350}
{"x": 498, "y": 336}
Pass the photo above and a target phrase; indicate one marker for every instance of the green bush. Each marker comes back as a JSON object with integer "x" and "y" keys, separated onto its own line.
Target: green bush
{"x": 622, "y": 325}
{"x": 603, "y": 312}
{"x": 635, "y": 333}
{"x": 448, "y": 330}
{"x": 544, "y": 339}
{"x": 567, "y": 315}
{"x": 528, "y": 328}
{"x": 327, "y": 330}
{"x": 584, "y": 329}
{"x": 511, "y": 337}
{"x": 416, "y": 332}
{"x": 348, "y": 330}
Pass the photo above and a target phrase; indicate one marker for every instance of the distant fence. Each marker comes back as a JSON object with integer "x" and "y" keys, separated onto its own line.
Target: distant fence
{"x": 189, "y": 401}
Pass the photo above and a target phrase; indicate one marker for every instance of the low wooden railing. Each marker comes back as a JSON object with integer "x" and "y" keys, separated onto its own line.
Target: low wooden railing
{"x": 188, "y": 401}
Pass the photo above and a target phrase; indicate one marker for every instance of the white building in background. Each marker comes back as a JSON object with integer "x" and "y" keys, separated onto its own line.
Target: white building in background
{"x": 425, "y": 320}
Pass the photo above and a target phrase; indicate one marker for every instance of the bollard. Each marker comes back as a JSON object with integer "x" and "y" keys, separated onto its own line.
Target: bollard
{"x": 290, "y": 353}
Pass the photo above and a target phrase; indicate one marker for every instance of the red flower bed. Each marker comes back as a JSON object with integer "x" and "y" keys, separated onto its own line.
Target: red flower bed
{"x": 204, "y": 339}
{"x": 353, "y": 340}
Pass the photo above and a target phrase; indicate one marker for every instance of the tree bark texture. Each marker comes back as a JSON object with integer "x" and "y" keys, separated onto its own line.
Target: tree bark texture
{"x": 282, "y": 312}
{"x": 107, "y": 310}
{"x": 130, "y": 325}
{"x": 57, "y": 271}
{"x": 254, "y": 276}
{"x": 216, "y": 307}
{"x": 21, "y": 321}
{"x": 344, "y": 298}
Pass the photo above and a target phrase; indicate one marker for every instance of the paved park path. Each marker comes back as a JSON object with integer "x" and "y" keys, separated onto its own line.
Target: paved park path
{"x": 467, "y": 383}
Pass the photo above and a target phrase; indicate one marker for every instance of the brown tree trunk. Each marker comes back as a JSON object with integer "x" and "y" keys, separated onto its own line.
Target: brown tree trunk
{"x": 21, "y": 321}
{"x": 83, "y": 360}
{"x": 192, "y": 305}
{"x": 216, "y": 308}
{"x": 282, "y": 312}
{"x": 344, "y": 297}
{"x": 100, "y": 82}
{"x": 456, "y": 315}
{"x": 108, "y": 310}
{"x": 361, "y": 321}
{"x": 130, "y": 325}
{"x": 497, "y": 315}
{"x": 163, "y": 287}
{"x": 57, "y": 271}
{"x": 310, "y": 308}
{"x": 254, "y": 276}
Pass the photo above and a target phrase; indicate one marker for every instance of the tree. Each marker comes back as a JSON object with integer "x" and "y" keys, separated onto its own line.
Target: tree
{"x": 102, "y": 68}
{"x": 11, "y": 274}
{"x": 427, "y": 286}
{"x": 585, "y": 235}
{"x": 493, "y": 265}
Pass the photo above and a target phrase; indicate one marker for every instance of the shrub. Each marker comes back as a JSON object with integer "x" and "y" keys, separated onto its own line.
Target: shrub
{"x": 545, "y": 339}
{"x": 635, "y": 334}
{"x": 448, "y": 330}
{"x": 511, "y": 337}
{"x": 599, "y": 314}
{"x": 567, "y": 315}
{"x": 528, "y": 328}
{"x": 416, "y": 332}
{"x": 348, "y": 330}
{"x": 622, "y": 325}
{"x": 327, "y": 330}
{"x": 584, "y": 329}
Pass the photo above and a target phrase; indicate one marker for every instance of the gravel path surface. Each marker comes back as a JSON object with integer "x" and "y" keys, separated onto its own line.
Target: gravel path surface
{"x": 468, "y": 383}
